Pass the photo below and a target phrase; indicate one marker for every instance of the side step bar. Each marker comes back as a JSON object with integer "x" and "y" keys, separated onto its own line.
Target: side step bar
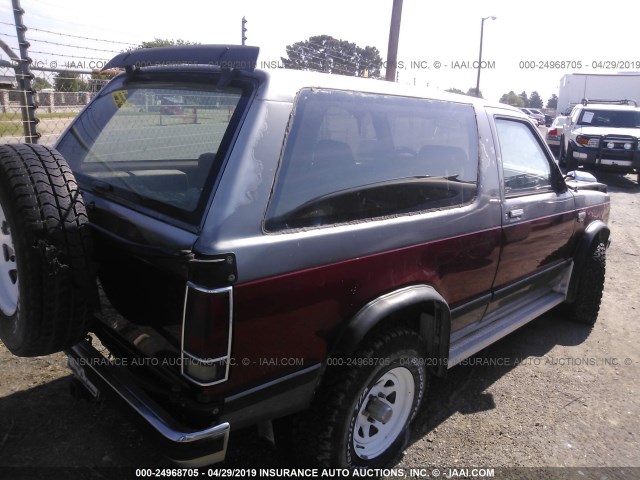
{"x": 477, "y": 340}
{"x": 184, "y": 446}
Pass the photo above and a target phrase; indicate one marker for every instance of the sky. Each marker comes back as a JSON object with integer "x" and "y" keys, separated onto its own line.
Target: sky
{"x": 524, "y": 48}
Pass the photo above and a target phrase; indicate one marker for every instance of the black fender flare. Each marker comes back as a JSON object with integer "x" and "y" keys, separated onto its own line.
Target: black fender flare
{"x": 596, "y": 232}
{"x": 435, "y": 329}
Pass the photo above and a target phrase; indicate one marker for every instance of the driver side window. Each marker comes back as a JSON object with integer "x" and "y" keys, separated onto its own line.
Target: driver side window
{"x": 525, "y": 165}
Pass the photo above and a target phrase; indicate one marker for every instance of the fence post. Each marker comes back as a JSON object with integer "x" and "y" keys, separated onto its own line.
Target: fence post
{"x": 4, "y": 101}
{"x": 24, "y": 77}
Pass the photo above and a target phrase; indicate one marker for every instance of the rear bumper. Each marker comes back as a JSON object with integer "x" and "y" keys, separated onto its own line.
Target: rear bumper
{"x": 185, "y": 446}
{"x": 553, "y": 141}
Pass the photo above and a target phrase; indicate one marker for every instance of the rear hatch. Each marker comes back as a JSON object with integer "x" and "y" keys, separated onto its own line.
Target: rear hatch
{"x": 148, "y": 153}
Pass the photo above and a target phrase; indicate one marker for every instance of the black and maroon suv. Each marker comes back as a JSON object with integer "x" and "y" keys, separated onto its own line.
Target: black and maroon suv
{"x": 285, "y": 245}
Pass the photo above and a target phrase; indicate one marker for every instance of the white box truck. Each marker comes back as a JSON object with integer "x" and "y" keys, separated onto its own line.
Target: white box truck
{"x": 576, "y": 86}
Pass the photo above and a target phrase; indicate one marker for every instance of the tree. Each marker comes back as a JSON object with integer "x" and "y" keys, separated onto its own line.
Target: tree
{"x": 40, "y": 83}
{"x": 161, "y": 42}
{"x": 512, "y": 99}
{"x": 472, "y": 92}
{"x": 535, "y": 101}
{"x": 553, "y": 101}
{"x": 525, "y": 99}
{"x": 69, "y": 82}
{"x": 455, "y": 90}
{"x": 324, "y": 53}
{"x": 164, "y": 42}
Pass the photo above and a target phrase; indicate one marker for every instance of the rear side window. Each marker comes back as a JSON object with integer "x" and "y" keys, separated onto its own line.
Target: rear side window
{"x": 354, "y": 156}
{"x": 157, "y": 145}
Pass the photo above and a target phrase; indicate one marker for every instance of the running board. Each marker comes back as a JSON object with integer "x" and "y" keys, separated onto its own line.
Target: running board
{"x": 502, "y": 326}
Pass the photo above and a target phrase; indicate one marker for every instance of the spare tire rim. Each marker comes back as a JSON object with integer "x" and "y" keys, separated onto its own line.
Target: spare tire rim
{"x": 8, "y": 269}
{"x": 384, "y": 413}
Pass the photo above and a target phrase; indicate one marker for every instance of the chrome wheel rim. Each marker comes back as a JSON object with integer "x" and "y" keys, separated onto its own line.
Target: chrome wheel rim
{"x": 384, "y": 413}
{"x": 8, "y": 269}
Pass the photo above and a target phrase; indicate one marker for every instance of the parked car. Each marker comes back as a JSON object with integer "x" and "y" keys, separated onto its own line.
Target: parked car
{"x": 538, "y": 117}
{"x": 545, "y": 118}
{"x": 554, "y": 133}
{"x": 303, "y": 257}
{"x": 602, "y": 135}
{"x": 171, "y": 105}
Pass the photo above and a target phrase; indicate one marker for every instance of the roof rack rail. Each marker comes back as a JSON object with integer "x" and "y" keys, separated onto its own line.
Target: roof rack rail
{"x": 587, "y": 101}
{"x": 227, "y": 57}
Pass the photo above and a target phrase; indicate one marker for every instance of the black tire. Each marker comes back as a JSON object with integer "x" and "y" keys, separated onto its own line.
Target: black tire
{"x": 562, "y": 156}
{"x": 46, "y": 248}
{"x": 586, "y": 306}
{"x": 570, "y": 162}
{"x": 327, "y": 435}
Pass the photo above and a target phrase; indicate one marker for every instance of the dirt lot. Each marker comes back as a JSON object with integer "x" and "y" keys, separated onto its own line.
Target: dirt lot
{"x": 562, "y": 395}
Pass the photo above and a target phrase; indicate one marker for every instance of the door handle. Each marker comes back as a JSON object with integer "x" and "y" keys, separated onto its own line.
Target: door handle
{"x": 516, "y": 212}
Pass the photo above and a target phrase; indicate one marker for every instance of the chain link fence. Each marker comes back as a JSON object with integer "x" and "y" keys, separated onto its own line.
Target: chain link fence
{"x": 38, "y": 100}
{"x": 58, "y": 96}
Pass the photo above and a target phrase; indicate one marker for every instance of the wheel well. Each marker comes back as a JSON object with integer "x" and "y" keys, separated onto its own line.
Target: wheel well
{"x": 597, "y": 232}
{"x": 419, "y": 308}
{"x": 423, "y": 319}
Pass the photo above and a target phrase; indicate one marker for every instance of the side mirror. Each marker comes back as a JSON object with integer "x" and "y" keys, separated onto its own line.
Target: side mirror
{"x": 578, "y": 180}
{"x": 580, "y": 176}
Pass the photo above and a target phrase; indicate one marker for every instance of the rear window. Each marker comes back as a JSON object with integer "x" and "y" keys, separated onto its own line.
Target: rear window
{"x": 354, "y": 156}
{"x": 159, "y": 146}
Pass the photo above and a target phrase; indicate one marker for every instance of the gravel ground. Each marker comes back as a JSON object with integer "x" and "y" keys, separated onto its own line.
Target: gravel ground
{"x": 552, "y": 394}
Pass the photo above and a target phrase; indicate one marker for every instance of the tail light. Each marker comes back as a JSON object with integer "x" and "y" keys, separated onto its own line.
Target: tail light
{"x": 208, "y": 320}
{"x": 553, "y": 132}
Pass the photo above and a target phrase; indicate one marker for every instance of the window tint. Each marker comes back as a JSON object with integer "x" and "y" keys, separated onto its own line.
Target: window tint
{"x": 353, "y": 156}
{"x": 525, "y": 165}
{"x": 157, "y": 145}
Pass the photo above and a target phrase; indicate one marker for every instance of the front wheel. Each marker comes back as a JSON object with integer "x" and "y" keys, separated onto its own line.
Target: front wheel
{"x": 570, "y": 162}
{"x": 586, "y": 306}
{"x": 562, "y": 156}
{"x": 361, "y": 417}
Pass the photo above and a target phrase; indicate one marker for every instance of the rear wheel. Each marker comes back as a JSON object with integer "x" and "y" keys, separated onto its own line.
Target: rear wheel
{"x": 46, "y": 280}
{"x": 361, "y": 417}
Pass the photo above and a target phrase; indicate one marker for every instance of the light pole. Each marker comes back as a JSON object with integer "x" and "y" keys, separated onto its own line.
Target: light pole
{"x": 480, "y": 56}
{"x": 394, "y": 35}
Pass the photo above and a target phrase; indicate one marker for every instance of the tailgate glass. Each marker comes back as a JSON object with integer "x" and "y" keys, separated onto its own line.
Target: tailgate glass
{"x": 160, "y": 146}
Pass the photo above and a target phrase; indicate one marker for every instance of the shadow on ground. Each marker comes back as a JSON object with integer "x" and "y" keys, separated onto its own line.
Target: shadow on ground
{"x": 45, "y": 426}
{"x": 464, "y": 389}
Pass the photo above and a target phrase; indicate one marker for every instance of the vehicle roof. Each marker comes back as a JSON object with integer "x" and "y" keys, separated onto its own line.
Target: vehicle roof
{"x": 607, "y": 106}
{"x": 283, "y": 85}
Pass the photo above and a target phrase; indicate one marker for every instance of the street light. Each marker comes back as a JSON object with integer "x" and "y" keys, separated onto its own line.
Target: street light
{"x": 480, "y": 56}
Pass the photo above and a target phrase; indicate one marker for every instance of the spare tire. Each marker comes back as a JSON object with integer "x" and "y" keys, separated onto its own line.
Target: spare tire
{"x": 47, "y": 285}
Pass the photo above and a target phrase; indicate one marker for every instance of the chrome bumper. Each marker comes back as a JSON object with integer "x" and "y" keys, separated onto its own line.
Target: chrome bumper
{"x": 184, "y": 446}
